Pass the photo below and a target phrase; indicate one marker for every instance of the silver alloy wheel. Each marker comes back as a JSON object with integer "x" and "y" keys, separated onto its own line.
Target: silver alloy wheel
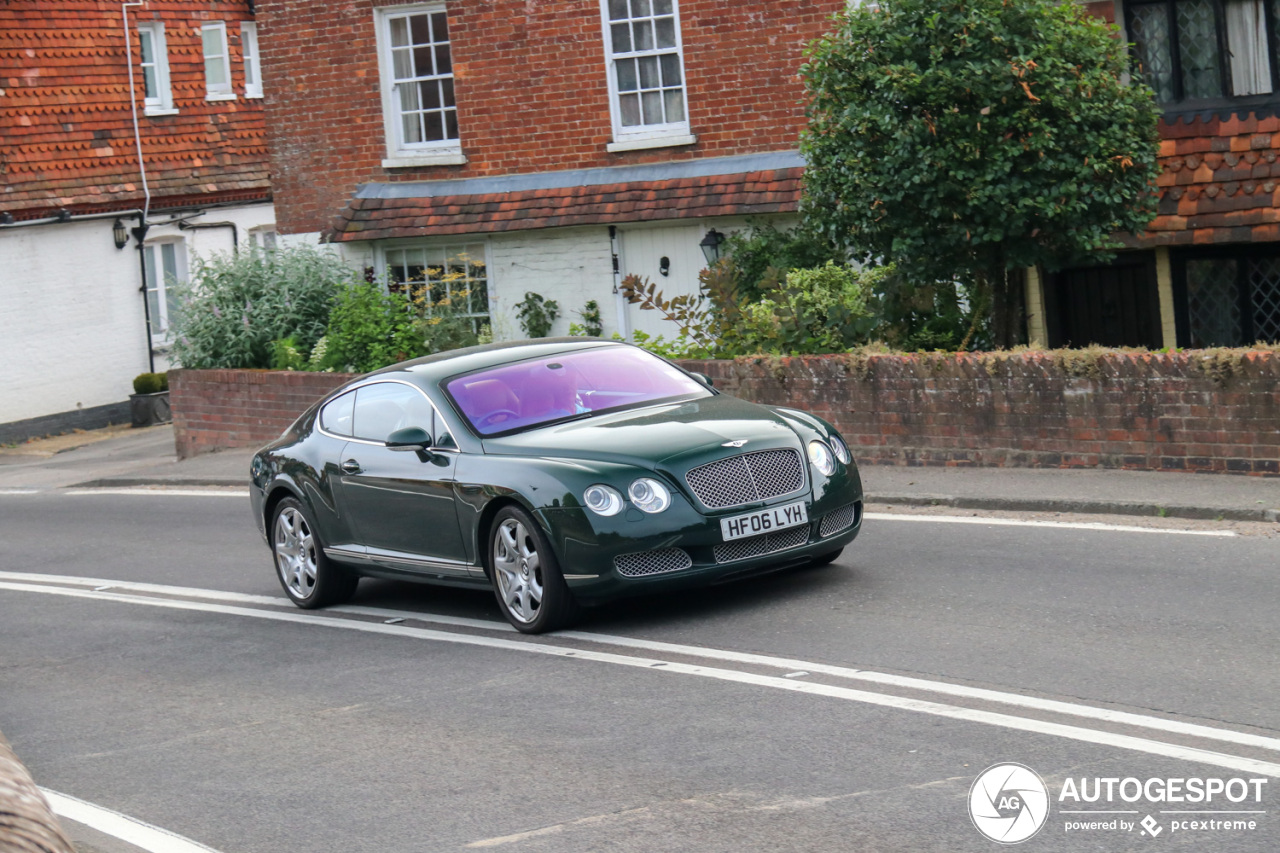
{"x": 518, "y": 570}
{"x": 295, "y": 549}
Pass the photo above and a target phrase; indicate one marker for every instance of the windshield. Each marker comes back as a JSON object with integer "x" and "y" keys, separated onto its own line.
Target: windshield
{"x": 569, "y": 385}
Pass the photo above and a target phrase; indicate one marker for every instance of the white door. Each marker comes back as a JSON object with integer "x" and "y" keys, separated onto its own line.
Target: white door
{"x": 641, "y": 252}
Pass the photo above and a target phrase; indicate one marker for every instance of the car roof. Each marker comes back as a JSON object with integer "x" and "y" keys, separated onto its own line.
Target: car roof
{"x": 431, "y": 369}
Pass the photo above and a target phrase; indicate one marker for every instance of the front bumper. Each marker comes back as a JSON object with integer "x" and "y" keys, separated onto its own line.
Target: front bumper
{"x": 634, "y": 553}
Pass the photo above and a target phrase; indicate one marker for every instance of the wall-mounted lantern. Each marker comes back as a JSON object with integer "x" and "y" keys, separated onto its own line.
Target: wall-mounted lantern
{"x": 710, "y": 246}
{"x": 119, "y": 233}
{"x": 664, "y": 265}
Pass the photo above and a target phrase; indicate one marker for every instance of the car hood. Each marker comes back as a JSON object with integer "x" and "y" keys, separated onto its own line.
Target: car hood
{"x": 675, "y": 436}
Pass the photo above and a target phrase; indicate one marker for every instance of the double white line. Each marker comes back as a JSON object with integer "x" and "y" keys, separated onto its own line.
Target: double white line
{"x": 665, "y": 656}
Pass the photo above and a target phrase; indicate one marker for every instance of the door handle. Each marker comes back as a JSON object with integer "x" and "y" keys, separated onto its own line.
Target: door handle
{"x": 351, "y": 466}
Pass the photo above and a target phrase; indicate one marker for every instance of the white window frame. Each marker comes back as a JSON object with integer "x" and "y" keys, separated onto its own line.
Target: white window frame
{"x": 459, "y": 243}
{"x": 251, "y": 59}
{"x": 446, "y": 152}
{"x": 153, "y": 263}
{"x": 161, "y": 103}
{"x": 652, "y": 135}
{"x": 217, "y": 90}
{"x": 264, "y": 237}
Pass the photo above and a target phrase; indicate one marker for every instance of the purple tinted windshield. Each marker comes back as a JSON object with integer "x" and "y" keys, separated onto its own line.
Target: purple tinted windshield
{"x": 542, "y": 390}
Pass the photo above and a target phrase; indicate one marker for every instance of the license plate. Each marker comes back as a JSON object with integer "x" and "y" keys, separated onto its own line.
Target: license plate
{"x": 764, "y": 521}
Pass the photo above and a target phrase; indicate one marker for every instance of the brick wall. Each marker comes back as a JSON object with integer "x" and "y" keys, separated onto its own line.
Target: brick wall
{"x": 531, "y": 91}
{"x": 219, "y": 409}
{"x": 1180, "y": 412}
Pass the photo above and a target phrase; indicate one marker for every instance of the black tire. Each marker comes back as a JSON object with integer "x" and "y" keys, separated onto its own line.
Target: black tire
{"x": 825, "y": 559}
{"x": 309, "y": 578}
{"x": 527, "y": 581}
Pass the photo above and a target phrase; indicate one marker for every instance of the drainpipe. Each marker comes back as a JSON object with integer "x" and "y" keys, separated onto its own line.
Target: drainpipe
{"x": 620, "y": 301}
{"x": 139, "y": 233}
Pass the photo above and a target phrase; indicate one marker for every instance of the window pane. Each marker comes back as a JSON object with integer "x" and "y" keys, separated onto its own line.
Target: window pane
{"x": 639, "y": 8}
{"x": 643, "y": 31}
{"x": 211, "y": 38}
{"x": 399, "y": 32}
{"x": 1264, "y": 287}
{"x": 433, "y": 126}
{"x": 621, "y": 38}
{"x": 671, "y": 70}
{"x": 440, "y": 26}
{"x": 215, "y": 71}
{"x": 402, "y": 64}
{"x": 444, "y": 63}
{"x": 412, "y": 127}
{"x": 630, "y": 107}
{"x": 446, "y": 90}
{"x": 422, "y": 64}
{"x": 1198, "y": 49}
{"x": 169, "y": 260}
{"x": 451, "y": 124}
{"x": 420, "y": 29}
{"x": 149, "y": 264}
{"x": 651, "y": 105}
{"x": 674, "y": 99}
{"x": 1152, "y": 50}
{"x": 662, "y": 7}
{"x": 153, "y": 305}
{"x": 1247, "y": 47}
{"x": 666, "y": 32}
{"x": 618, "y": 10}
{"x": 1213, "y": 306}
{"x": 150, "y": 88}
{"x": 430, "y": 92}
{"x": 627, "y": 75}
{"x": 409, "y": 97}
{"x": 648, "y": 72}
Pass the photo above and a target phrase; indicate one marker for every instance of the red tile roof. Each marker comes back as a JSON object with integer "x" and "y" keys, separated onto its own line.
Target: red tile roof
{"x": 769, "y": 191}
{"x": 1219, "y": 182}
{"x": 66, "y": 120}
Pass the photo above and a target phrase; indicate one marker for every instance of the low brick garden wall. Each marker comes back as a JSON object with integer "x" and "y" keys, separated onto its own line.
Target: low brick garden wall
{"x": 1212, "y": 411}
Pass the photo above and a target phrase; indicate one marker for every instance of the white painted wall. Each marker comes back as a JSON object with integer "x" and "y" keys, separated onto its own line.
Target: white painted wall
{"x": 74, "y": 333}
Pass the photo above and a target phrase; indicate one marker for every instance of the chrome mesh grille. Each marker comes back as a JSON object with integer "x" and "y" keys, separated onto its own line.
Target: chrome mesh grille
{"x": 746, "y": 479}
{"x": 757, "y": 546}
{"x": 836, "y": 520}
{"x": 643, "y": 563}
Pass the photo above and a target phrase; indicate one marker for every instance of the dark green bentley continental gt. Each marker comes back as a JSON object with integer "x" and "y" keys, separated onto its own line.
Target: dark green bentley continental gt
{"x": 561, "y": 472}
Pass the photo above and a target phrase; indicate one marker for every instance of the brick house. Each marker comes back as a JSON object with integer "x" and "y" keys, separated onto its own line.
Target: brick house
{"x": 97, "y": 221}
{"x": 1207, "y": 270}
{"x": 526, "y": 145}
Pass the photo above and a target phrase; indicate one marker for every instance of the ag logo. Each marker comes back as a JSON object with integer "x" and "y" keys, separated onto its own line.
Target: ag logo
{"x": 1008, "y": 803}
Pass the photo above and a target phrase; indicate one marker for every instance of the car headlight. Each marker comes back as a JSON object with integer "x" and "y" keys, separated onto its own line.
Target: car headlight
{"x": 603, "y": 500}
{"x": 649, "y": 495}
{"x": 841, "y": 449}
{"x": 820, "y": 456}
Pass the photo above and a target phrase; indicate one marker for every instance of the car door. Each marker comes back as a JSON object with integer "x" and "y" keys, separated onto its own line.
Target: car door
{"x": 401, "y": 503}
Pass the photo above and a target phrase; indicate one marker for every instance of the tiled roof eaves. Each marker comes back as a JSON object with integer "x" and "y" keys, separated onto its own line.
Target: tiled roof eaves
{"x": 758, "y": 193}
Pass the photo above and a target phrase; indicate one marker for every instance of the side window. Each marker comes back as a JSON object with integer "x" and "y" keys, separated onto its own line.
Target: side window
{"x": 646, "y": 73}
{"x": 388, "y": 406}
{"x": 252, "y": 65}
{"x": 166, "y": 268}
{"x": 336, "y": 415}
{"x": 217, "y": 68}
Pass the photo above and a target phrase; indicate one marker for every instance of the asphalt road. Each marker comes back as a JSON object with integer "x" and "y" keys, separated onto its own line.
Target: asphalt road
{"x": 862, "y": 702}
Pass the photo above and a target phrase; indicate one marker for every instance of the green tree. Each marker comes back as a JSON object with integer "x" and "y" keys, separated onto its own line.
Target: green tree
{"x": 963, "y": 138}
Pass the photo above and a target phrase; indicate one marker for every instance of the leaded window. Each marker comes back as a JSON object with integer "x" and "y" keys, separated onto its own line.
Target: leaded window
{"x": 1231, "y": 298}
{"x": 1204, "y": 50}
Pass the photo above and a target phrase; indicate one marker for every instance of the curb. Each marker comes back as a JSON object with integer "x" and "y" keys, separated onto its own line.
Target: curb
{"x": 182, "y": 482}
{"x": 1081, "y": 506}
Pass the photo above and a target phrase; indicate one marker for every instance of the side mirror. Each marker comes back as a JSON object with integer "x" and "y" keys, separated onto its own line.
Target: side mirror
{"x": 703, "y": 378}
{"x": 409, "y": 438}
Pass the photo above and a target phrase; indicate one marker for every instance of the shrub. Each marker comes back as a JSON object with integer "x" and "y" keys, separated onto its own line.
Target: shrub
{"x": 537, "y": 314}
{"x": 237, "y": 305}
{"x": 818, "y": 310}
{"x": 370, "y": 328}
{"x": 592, "y": 324}
{"x": 150, "y": 383}
{"x": 763, "y": 255}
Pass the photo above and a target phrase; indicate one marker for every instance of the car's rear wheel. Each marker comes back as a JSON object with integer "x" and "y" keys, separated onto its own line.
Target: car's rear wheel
{"x": 527, "y": 582}
{"x": 309, "y": 578}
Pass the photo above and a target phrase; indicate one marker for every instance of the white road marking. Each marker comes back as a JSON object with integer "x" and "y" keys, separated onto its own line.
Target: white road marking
{"x": 19, "y": 491}
{"x": 153, "y": 492}
{"x": 1069, "y": 525}
{"x": 794, "y": 667}
{"x": 1008, "y": 721}
{"x": 141, "y": 835}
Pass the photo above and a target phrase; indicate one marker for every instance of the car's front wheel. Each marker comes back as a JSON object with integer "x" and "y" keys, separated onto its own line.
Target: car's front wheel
{"x": 309, "y": 578}
{"x": 526, "y": 577}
